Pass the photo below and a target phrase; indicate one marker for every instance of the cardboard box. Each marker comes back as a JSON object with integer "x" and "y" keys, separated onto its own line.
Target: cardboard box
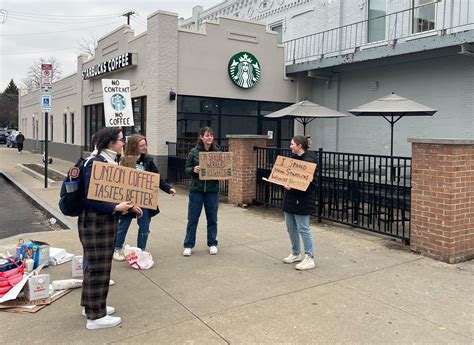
{"x": 37, "y": 287}
{"x": 77, "y": 266}
{"x": 36, "y": 250}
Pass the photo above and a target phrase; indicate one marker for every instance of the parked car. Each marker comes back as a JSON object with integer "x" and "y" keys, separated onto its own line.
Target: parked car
{"x": 3, "y": 136}
{"x": 11, "y": 139}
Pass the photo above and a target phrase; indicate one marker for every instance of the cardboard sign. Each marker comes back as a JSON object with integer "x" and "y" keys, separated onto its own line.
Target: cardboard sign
{"x": 295, "y": 173}
{"x": 117, "y": 103}
{"x": 113, "y": 183}
{"x": 215, "y": 165}
{"x": 128, "y": 161}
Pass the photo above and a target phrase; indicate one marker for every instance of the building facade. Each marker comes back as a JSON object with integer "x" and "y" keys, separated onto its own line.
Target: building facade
{"x": 343, "y": 54}
{"x": 180, "y": 80}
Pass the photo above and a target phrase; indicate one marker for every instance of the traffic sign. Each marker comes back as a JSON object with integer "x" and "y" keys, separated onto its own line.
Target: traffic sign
{"x": 46, "y": 75}
{"x": 45, "y": 103}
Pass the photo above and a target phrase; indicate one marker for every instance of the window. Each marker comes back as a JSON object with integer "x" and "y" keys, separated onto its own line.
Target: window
{"x": 72, "y": 128}
{"x": 65, "y": 127}
{"x": 423, "y": 16}
{"x": 376, "y": 22}
{"x": 278, "y": 28}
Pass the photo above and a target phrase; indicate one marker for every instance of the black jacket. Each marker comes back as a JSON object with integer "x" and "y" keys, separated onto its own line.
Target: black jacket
{"x": 299, "y": 202}
{"x": 209, "y": 186}
{"x": 149, "y": 165}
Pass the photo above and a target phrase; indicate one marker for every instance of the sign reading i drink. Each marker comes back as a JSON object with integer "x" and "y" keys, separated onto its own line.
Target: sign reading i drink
{"x": 291, "y": 172}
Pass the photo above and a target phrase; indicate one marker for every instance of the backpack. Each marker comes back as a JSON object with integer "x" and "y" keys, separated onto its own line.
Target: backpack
{"x": 72, "y": 195}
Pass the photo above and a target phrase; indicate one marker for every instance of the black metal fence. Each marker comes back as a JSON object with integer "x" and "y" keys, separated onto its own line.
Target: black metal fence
{"x": 177, "y": 153}
{"x": 365, "y": 191}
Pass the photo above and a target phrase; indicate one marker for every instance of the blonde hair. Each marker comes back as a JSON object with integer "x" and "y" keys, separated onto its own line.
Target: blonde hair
{"x": 131, "y": 148}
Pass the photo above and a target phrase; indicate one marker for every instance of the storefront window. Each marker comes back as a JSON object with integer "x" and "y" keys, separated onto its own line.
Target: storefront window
{"x": 95, "y": 119}
{"x": 228, "y": 116}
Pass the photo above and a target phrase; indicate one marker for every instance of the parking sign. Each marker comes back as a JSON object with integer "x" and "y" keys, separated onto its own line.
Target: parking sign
{"x": 46, "y": 75}
{"x": 46, "y": 103}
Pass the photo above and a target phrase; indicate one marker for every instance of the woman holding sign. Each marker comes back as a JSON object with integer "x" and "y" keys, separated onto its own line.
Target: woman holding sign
{"x": 201, "y": 193}
{"x": 298, "y": 206}
{"x": 136, "y": 149}
{"x": 97, "y": 231}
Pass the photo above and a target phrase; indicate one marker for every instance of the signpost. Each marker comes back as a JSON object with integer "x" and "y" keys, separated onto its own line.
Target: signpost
{"x": 46, "y": 83}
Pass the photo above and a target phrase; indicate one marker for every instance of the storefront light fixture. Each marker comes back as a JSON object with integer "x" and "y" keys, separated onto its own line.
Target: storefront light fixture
{"x": 172, "y": 95}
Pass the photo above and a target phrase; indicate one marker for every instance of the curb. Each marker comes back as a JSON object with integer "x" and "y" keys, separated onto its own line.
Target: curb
{"x": 37, "y": 202}
{"x": 39, "y": 176}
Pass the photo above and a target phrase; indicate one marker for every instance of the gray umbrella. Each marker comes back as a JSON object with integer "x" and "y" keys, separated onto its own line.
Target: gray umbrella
{"x": 305, "y": 111}
{"x": 392, "y": 108}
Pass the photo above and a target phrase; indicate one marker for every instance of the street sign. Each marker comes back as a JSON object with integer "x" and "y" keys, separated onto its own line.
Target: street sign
{"x": 46, "y": 75}
{"x": 46, "y": 103}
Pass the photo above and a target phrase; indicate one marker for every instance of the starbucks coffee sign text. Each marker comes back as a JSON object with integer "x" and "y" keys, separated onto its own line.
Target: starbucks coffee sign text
{"x": 114, "y": 64}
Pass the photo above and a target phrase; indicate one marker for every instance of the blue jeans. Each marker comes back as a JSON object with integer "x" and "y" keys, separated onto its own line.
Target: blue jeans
{"x": 211, "y": 204}
{"x": 299, "y": 225}
{"x": 143, "y": 229}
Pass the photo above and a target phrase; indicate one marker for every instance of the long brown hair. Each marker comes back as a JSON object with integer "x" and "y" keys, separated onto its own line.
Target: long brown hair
{"x": 201, "y": 134}
{"x": 131, "y": 149}
{"x": 301, "y": 140}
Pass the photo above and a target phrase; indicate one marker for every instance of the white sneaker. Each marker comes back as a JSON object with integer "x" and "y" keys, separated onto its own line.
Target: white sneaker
{"x": 110, "y": 311}
{"x": 104, "y": 322}
{"x": 306, "y": 264}
{"x": 293, "y": 258}
{"x": 118, "y": 255}
{"x": 213, "y": 250}
{"x": 187, "y": 252}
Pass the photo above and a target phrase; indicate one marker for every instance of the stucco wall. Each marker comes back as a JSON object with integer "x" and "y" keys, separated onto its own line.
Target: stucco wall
{"x": 446, "y": 84}
{"x": 204, "y": 57}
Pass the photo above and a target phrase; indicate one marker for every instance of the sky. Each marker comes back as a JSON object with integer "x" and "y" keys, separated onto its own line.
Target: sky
{"x": 30, "y": 30}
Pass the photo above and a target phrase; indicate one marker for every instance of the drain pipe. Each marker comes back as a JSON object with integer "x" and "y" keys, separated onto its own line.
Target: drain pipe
{"x": 338, "y": 99}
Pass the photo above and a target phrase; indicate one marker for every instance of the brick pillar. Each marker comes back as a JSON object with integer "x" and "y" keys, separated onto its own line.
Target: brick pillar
{"x": 242, "y": 187}
{"x": 442, "y": 199}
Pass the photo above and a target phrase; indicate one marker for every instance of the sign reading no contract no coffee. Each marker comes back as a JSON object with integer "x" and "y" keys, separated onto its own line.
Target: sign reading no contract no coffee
{"x": 117, "y": 103}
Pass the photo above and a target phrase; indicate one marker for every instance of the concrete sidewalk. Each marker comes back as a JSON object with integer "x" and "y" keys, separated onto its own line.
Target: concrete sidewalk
{"x": 364, "y": 289}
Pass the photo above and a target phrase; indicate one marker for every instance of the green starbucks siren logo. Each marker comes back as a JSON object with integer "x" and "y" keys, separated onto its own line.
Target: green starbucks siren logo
{"x": 118, "y": 102}
{"x": 244, "y": 70}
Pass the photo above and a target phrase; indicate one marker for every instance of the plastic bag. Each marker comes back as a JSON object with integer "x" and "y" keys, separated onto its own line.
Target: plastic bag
{"x": 138, "y": 258}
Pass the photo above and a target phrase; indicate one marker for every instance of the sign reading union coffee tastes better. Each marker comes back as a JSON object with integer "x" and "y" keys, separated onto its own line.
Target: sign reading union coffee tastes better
{"x": 244, "y": 70}
{"x": 111, "y": 65}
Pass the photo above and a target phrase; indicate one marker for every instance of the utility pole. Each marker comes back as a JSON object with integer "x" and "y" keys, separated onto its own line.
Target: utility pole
{"x": 128, "y": 15}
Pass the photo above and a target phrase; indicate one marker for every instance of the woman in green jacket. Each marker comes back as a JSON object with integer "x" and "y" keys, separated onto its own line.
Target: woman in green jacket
{"x": 201, "y": 193}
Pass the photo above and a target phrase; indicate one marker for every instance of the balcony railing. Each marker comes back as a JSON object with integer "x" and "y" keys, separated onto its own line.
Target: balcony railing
{"x": 434, "y": 18}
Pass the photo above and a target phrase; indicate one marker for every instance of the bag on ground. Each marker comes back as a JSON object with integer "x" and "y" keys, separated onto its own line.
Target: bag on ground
{"x": 138, "y": 258}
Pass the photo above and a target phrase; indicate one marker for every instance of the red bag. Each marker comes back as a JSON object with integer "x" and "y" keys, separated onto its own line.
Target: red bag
{"x": 13, "y": 276}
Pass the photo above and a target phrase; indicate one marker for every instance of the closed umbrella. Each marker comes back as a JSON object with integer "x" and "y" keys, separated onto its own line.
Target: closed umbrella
{"x": 305, "y": 112}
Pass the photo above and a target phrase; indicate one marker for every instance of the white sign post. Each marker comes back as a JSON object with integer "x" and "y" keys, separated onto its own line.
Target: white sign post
{"x": 46, "y": 83}
{"x": 117, "y": 103}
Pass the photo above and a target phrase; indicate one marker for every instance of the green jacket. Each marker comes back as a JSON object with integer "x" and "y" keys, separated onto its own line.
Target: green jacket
{"x": 211, "y": 186}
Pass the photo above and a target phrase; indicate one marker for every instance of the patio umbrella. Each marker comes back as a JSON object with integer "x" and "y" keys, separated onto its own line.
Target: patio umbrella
{"x": 392, "y": 108}
{"x": 305, "y": 111}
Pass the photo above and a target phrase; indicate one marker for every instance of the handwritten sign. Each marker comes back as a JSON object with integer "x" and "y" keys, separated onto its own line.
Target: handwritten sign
{"x": 128, "y": 161}
{"x": 215, "y": 165}
{"x": 295, "y": 173}
{"x": 113, "y": 183}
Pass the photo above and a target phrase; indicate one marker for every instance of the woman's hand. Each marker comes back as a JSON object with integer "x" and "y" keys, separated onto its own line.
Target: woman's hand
{"x": 287, "y": 187}
{"x": 173, "y": 192}
{"x": 123, "y": 206}
{"x": 197, "y": 169}
{"x": 138, "y": 211}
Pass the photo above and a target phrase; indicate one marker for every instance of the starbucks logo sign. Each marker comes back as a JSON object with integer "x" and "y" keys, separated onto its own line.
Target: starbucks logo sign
{"x": 118, "y": 102}
{"x": 244, "y": 70}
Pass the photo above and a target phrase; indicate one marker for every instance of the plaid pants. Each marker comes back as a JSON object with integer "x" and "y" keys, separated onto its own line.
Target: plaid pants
{"x": 97, "y": 233}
